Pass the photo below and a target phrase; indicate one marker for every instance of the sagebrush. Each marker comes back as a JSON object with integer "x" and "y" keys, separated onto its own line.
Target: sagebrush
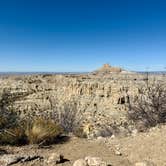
{"x": 148, "y": 108}
{"x": 68, "y": 116}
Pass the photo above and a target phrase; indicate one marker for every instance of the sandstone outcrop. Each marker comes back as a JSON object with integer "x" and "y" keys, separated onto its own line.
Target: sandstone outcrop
{"x": 107, "y": 69}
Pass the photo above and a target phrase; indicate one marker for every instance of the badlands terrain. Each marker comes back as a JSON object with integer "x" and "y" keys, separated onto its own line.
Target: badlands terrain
{"x": 101, "y": 99}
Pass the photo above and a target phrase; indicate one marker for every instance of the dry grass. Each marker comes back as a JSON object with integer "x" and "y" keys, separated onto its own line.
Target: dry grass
{"x": 39, "y": 131}
{"x": 43, "y": 131}
{"x": 13, "y": 136}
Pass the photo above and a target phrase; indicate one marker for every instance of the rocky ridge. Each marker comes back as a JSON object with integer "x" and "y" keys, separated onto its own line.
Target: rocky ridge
{"x": 100, "y": 98}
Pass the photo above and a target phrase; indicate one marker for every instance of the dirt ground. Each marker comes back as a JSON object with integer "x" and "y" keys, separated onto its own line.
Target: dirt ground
{"x": 73, "y": 149}
{"x": 149, "y": 146}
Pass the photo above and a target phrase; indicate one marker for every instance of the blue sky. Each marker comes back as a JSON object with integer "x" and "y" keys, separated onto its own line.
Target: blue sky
{"x": 81, "y": 35}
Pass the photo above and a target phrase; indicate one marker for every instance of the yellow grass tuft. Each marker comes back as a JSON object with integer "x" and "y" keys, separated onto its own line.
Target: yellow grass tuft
{"x": 43, "y": 131}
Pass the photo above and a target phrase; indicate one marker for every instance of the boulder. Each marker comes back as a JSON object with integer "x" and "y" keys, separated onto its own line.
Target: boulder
{"x": 90, "y": 161}
{"x": 118, "y": 153}
{"x": 95, "y": 161}
{"x": 80, "y": 162}
{"x": 55, "y": 158}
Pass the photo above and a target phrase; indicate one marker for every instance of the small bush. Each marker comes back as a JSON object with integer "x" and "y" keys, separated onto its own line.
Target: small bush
{"x": 10, "y": 131}
{"x": 42, "y": 131}
{"x": 8, "y": 118}
{"x": 15, "y": 131}
{"x": 79, "y": 132}
{"x": 68, "y": 116}
{"x": 13, "y": 136}
{"x": 38, "y": 131}
{"x": 148, "y": 108}
{"x": 3, "y": 121}
{"x": 107, "y": 131}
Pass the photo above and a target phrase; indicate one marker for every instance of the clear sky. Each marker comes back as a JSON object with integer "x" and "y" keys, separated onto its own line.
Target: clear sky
{"x": 81, "y": 35}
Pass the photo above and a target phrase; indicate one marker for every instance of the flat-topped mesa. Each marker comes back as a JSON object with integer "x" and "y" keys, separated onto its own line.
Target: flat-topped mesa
{"x": 107, "y": 69}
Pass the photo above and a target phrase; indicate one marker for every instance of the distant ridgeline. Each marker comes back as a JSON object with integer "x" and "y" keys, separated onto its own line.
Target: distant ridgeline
{"x": 105, "y": 69}
{"x": 40, "y": 73}
{"x": 152, "y": 72}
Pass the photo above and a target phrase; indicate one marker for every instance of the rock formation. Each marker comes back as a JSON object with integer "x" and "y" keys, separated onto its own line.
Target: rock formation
{"x": 107, "y": 69}
{"x": 101, "y": 99}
